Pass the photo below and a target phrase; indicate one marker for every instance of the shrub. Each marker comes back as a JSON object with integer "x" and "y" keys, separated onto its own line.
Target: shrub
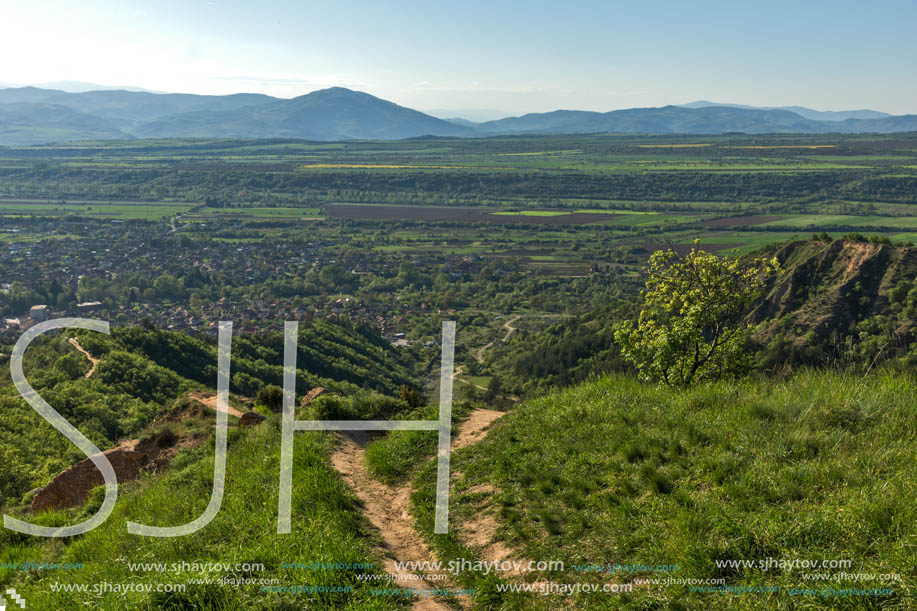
{"x": 271, "y": 397}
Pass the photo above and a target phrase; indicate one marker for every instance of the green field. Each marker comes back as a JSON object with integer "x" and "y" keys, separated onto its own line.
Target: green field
{"x": 633, "y": 194}
{"x": 259, "y": 212}
{"x": 149, "y": 211}
{"x": 829, "y": 220}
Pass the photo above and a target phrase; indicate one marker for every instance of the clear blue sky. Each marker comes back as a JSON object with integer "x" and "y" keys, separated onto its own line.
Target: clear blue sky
{"x": 513, "y": 56}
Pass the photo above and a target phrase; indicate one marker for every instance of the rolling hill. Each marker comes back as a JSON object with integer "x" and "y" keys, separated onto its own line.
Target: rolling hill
{"x": 24, "y": 123}
{"x": 802, "y": 111}
{"x": 141, "y": 372}
{"x": 664, "y": 120}
{"x": 342, "y": 114}
{"x": 121, "y": 109}
{"x": 329, "y": 114}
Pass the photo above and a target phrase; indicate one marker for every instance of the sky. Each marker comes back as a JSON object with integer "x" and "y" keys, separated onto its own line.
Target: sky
{"x": 481, "y": 56}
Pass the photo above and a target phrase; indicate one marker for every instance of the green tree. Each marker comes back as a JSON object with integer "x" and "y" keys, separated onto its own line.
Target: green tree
{"x": 494, "y": 389}
{"x": 14, "y": 478}
{"x": 70, "y": 365}
{"x": 168, "y": 286}
{"x": 411, "y": 396}
{"x": 271, "y": 397}
{"x": 691, "y": 327}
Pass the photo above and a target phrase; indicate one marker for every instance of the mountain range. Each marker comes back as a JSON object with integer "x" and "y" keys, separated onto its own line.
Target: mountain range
{"x": 802, "y": 111}
{"x": 31, "y": 115}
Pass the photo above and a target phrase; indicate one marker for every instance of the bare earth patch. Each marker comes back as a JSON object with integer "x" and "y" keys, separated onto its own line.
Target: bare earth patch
{"x": 210, "y": 402}
{"x": 475, "y": 428}
{"x": 85, "y": 352}
{"x": 388, "y": 508}
{"x": 129, "y": 458}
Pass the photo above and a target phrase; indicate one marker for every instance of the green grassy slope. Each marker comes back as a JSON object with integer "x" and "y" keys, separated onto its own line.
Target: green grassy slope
{"x": 823, "y": 466}
{"x": 326, "y": 527}
{"x": 143, "y": 372}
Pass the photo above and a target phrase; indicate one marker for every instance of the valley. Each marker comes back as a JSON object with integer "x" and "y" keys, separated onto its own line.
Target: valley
{"x": 537, "y": 246}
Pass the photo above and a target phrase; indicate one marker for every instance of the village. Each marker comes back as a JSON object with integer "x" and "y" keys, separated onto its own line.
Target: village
{"x": 140, "y": 272}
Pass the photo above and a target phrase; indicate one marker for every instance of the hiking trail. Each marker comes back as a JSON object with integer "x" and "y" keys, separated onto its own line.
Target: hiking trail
{"x": 388, "y": 507}
{"x": 92, "y": 359}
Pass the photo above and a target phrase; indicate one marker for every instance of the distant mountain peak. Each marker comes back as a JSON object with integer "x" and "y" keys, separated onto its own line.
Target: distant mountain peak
{"x": 802, "y": 111}
{"x": 339, "y": 113}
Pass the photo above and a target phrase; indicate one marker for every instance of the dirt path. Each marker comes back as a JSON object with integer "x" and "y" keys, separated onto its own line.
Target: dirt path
{"x": 508, "y": 325}
{"x": 92, "y": 359}
{"x": 388, "y": 508}
{"x": 210, "y": 401}
{"x": 479, "y": 356}
{"x": 475, "y": 428}
{"x": 459, "y": 371}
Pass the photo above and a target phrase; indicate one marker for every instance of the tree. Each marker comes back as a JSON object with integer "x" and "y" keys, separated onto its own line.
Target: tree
{"x": 411, "y": 396}
{"x": 691, "y": 326}
{"x": 494, "y": 389}
{"x": 70, "y": 365}
{"x": 14, "y": 477}
{"x": 168, "y": 285}
{"x": 333, "y": 276}
{"x": 271, "y": 397}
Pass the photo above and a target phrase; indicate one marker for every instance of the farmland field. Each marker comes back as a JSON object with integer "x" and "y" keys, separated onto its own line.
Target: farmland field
{"x": 98, "y": 209}
{"x": 560, "y": 205}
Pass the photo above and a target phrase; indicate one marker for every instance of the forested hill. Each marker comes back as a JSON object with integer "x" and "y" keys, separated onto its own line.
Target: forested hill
{"x": 847, "y": 302}
{"x": 839, "y": 302}
{"x": 142, "y": 373}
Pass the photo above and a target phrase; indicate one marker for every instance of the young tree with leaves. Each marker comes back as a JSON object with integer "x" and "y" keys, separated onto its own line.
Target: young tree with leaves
{"x": 691, "y": 327}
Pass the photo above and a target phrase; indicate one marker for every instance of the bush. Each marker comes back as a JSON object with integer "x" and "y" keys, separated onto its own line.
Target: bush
{"x": 363, "y": 406}
{"x": 13, "y": 478}
{"x": 690, "y": 326}
{"x": 271, "y": 397}
{"x": 411, "y": 395}
{"x": 164, "y": 435}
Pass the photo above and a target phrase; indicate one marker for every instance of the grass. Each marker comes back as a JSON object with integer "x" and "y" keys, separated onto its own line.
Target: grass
{"x": 114, "y": 210}
{"x": 822, "y": 466}
{"x": 396, "y": 456}
{"x": 326, "y": 527}
{"x": 261, "y": 212}
{"x": 904, "y": 237}
{"x": 821, "y": 220}
{"x": 534, "y": 213}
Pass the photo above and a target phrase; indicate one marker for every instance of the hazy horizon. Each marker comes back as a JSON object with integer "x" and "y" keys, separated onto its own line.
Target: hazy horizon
{"x": 592, "y": 56}
{"x": 471, "y": 114}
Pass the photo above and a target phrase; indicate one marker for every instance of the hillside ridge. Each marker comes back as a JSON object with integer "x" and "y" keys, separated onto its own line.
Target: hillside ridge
{"x": 30, "y": 115}
{"x": 827, "y": 286}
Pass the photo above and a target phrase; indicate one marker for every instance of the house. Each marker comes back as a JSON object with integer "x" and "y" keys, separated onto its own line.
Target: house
{"x": 38, "y": 312}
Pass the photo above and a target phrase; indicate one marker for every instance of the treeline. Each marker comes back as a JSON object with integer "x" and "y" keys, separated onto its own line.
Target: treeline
{"x": 231, "y": 184}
